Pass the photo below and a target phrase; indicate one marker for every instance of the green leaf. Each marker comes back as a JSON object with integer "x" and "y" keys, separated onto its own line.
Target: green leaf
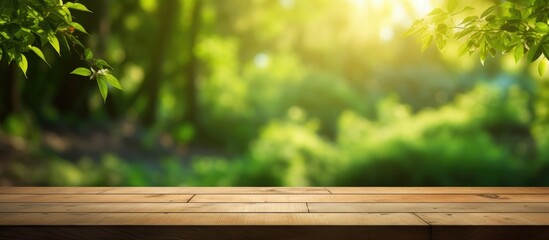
{"x": 488, "y": 11}
{"x": 416, "y": 27}
{"x": 451, "y": 6}
{"x": 519, "y": 52}
{"x": 82, "y": 72}
{"x": 1, "y": 53}
{"x": 507, "y": 5}
{"x": 75, "y": 40}
{"x": 12, "y": 54}
{"x": 467, "y": 8}
{"x": 464, "y": 33}
{"x": 495, "y": 41}
{"x": 112, "y": 81}
{"x": 483, "y": 51}
{"x": 102, "y": 63}
{"x": 464, "y": 48}
{"x": 64, "y": 11}
{"x": 491, "y": 18}
{"x": 65, "y": 43}
{"x": 442, "y": 28}
{"x": 542, "y": 27}
{"x": 440, "y": 18}
{"x": 39, "y": 53}
{"x": 77, "y": 6}
{"x": 103, "y": 88}
{"x": 440, "y": 41}
{"x": 54, "y": 43}
{"x": 468, "y": 20}
{"x": 510, "y": 27}
{"x": 426, "y": 42}
{"x": 88, "y": 54}
{"x": 22, "y": 63}
{"x": 492, "y": 51}
{"x": 78, "y": 27}
{"x": 533, "y": 53}
{"x": 436, "y": 11}
{"x": 541, "y": 67}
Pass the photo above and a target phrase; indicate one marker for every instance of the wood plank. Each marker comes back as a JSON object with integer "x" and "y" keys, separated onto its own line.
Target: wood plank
{"x": 53, "y": 190}
{"x": 489, "y": 232}
{"x": 215, "y": 232}
{"x": 439, "y": 190}
{"x": 217, "y": 190}
{"x": 41, "y": 198}
{"x": 210, "y": 219}
{"x": 371, "y": 198}
{"x": 429, "y": 207}
{"x": 151, "y": 207}
{"x": 485, "y": 219}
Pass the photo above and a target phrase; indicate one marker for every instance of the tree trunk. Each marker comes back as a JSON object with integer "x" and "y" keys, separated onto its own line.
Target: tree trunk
{"x": 153, "y": 79}
{"x": 191, "y": 95}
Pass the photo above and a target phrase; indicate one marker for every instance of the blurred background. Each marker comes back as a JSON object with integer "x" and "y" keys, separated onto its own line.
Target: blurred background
{"x": 272, "y": 93}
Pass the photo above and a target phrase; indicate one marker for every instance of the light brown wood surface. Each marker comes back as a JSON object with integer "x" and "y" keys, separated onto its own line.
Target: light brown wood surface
{"x": 230, "y": 219}
{"x": 217, "y": 190}
{"x": 430, "y": 207}
{"x": 43, "y": 198}
{"x": 438, "y": 190}
{"x": 129, "y": 207}
{"x": 414, "y": 213}
{"x": 404, "y": 198}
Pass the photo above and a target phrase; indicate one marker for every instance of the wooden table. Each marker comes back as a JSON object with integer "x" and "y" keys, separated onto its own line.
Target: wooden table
{"x": 219, "y": 213}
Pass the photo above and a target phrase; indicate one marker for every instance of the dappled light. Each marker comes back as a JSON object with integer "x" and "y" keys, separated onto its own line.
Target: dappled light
{"x": 269, "y": 93}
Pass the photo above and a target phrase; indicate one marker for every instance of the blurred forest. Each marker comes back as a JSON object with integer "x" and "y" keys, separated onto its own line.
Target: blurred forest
{"x": 272, "y": 93}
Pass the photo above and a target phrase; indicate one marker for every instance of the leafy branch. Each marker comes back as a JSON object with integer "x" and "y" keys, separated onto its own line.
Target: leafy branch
{"x": 517, "y": 27}
{"x": 29, "y": 25}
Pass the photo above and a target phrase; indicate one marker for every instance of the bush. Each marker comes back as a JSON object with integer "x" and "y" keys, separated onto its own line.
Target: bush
{"x": 290, "y": 153}
{"x": 453, "y": 145}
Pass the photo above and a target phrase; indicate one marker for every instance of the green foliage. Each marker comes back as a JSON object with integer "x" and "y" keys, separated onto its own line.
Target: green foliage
{"x": 290, "y": 153}
{"x": 29, "y": 25}
{"x": 82, "y": 72}
{"x": 454, "y": 145}
{"x": 511, "y": 27}
{"x": 273, "y": 93}
{"x": 458, "y": 144}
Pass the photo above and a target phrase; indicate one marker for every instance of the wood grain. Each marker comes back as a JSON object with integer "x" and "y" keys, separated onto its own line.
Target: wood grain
{"x": 429, "y": 207}
{"x": 416, "y": 213}
{"x": 42, "y": 198}
{"x": 217, "y": 190}
{"x": 127, "y": 207}
{"x": 53, "y": 190}
{"x": 439, "y": 190}
{"x": 210, "y": 219}
{"x": 215, "y": 232}
{"x": 370, "y": 198}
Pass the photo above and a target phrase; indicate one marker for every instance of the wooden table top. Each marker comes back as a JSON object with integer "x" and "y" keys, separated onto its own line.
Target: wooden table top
{"x": 274, "y": 213}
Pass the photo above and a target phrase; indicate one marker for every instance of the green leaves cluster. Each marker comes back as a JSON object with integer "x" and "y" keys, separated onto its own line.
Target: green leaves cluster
{"x": 28, "y": 26}
{"x": 102, "y": 74}
{"x": 520, "y": 28}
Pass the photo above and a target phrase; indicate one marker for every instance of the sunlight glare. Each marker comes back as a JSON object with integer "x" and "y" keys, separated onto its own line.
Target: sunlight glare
{"x": 359, "y": 4}
{"x": 286, "y": 4}
{"x": 422, "y": 7}
{"x": 386, "y": 34}
{"x": 261, "y": 60}
{"x": 398, "y": 14}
